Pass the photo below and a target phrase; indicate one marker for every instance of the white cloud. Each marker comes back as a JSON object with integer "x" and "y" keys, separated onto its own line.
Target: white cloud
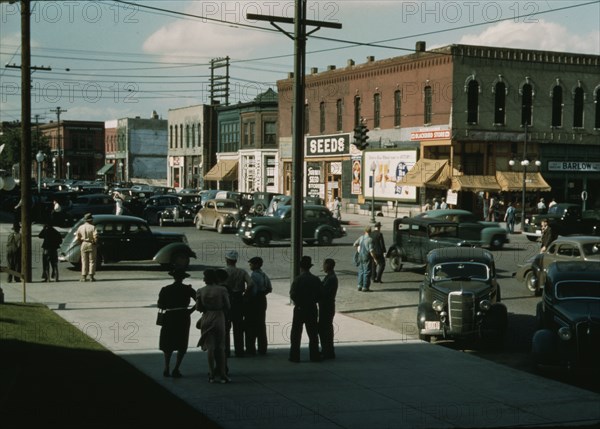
{"x": 542, "y": 35}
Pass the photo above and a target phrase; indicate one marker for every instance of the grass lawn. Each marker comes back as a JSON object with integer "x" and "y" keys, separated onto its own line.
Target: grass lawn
{"x": 54, "y": 376}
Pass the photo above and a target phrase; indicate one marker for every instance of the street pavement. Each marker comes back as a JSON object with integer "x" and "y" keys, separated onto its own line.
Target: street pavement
{"x": 379, "y": 379}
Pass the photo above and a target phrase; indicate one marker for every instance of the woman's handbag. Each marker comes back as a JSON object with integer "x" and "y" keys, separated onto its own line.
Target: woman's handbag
{"x": 160, "y": 317}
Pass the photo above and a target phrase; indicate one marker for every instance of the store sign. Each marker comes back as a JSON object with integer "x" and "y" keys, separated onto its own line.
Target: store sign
{"x": 574, "y": 166}
{"x": 314, "y": 180}
{"x": 333, "y": 145}
{"x": 430, "y": 135}
{"x": 176, "y": 161}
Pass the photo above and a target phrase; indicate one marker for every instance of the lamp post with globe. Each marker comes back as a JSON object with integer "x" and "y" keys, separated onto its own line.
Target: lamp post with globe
{"x": 39, "y": 157}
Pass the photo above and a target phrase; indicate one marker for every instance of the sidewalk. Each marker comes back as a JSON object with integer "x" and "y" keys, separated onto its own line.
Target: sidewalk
{"x": 379, "y": 378}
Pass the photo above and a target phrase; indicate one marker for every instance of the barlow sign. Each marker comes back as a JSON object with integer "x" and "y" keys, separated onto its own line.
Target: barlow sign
{"x": 574, "y": 166}
{"x": 333, "y": 145}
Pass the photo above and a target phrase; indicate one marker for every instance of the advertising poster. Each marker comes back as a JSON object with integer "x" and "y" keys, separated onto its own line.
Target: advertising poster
{"x": 356, "y": 178}
{"x": 314, "y": 181}
{"x": 385, "y": 170}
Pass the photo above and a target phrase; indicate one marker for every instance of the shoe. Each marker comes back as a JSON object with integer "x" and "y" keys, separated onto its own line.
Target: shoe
{"x": 166, "y": 373}
{"x": 44, "y": 279}
{"x": 211, "y": 378}
{"x": 366, "y": 290}
{"x": 83, "y": 279}
{"x": 92, "y": 279}
{"x": 295, "y": 360}
{"x": 360, "y": 289}
{"x": 176, "y": 374}
{"x": 225, "y": 380}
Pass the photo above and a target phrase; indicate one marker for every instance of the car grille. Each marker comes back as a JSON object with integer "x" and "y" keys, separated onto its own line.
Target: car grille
{"x": 588, "y": 342}
{"x": 461, "y": 309}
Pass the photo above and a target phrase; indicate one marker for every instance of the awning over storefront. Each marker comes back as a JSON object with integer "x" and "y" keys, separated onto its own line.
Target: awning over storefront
{"x": 224, "y": 170}
{"x": 512, "y": 181}
{"x": 104, "y": 169}
{"x": 424, "y": 172}
{"x": 475, "y": 183}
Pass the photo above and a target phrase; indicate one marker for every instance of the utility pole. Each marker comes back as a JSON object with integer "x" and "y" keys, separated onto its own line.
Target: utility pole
{"x": 300, "y": 22}
{"x": 59, "y": 147}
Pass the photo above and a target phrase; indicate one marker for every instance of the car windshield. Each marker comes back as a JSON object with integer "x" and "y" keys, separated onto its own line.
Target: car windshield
{"x": 591, "y": 249}
{"x": 578, "y": 289}
{"x": 226, "y": 205}
{"x": 449, "y": 271}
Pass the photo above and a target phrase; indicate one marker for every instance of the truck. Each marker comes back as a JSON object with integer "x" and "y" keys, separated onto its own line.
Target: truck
{"x": 564, "y": 219}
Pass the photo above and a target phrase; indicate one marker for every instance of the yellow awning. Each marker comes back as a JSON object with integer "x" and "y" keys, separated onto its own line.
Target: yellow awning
{"x": 424, "y": 171}
{"x": 224, "y": 170}
{"x": 512, "y": 181}
{"x": 475, "y": 183}
{"x": 104, "y": 169}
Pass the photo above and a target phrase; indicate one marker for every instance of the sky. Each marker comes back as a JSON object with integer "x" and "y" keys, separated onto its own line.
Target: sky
{"x": 116, "y": 59}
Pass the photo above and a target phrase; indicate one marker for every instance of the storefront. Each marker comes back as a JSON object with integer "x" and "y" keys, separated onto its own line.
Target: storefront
{"x": 576, "y": 181}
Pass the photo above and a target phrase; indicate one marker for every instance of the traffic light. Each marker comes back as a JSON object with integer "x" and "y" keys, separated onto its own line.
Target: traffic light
{"x": 361, "y": 137}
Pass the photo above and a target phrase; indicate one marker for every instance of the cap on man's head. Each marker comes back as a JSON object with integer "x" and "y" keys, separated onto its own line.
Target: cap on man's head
{"x": 88, "y": 217}
{"x": 377, "y": 225}
{"x": 305, "y": 262}
{"x": 178, "y": 273}
{"x": 232, "y": 255}
{"x": 256, "y": 260}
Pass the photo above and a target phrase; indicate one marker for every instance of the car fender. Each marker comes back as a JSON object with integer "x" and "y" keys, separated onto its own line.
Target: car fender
{"x": 321, "y": 228}
{"x": 544, "y": 346}
{"x": 259, "y": 228}
{"x": 488, "y": 233}
{"x": 163, "y": 256}
{"x": 395, "y": 250}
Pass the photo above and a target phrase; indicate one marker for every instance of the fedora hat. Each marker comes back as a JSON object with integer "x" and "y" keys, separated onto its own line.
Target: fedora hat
{"x": 178, "y": 273}
{"x": 88, "y": 217}
{"x": 305, "y": 262}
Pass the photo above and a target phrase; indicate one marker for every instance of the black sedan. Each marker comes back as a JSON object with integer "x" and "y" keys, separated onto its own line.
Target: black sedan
{"x": 155, "y": 205}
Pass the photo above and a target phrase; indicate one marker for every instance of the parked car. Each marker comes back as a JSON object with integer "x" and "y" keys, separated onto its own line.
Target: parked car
{"x": 318, "y": 226}
{"x": 178, "y": 214}
{"x": 564, "y": 219}
{"x": 471, "y": 228}
{"x": 156, "y": 204}
{"x": 208, "y": 194}
{"x": 460, "y": 297}
{"x": 568, "y": 316}
{"x": 88, "y": 203}
{"x": 129, "y": 238}
{"x": 573, "y": 248}
{"x": 415, "y": 237}
{"x": 191, "y": 201}
{"x": 220, "y": 214}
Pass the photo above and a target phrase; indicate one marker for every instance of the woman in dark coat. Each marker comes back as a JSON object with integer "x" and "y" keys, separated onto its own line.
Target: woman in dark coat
{"x": 175, "y": 330}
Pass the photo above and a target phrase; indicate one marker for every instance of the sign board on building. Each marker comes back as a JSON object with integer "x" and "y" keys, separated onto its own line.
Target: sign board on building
{"x": 330, "y": 145}
{"x": 430, "y": 135}
{"x": 581, "y": 166}
{"x": 314, "y": 182}
{"x": 176, "y": 161}
{"x": 389, "y": 169}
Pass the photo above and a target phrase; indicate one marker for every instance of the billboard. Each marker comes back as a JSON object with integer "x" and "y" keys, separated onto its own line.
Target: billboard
{"x": 383, "y": 171}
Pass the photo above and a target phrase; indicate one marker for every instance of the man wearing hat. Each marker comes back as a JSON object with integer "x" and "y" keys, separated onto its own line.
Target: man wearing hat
{"x": 378, "y": 253}
{"x": 256, "y": 308}
{"x": 238, "y": 281}
{"x": 13, "y": 251}
{"x": 87, "y": 237}
{"x": 305, "y": 292}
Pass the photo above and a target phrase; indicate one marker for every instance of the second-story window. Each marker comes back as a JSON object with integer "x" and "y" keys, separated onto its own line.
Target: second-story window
{"x": 597, "y": 116}
{"x": 306, "y": 119}
{"x": 187, "y": 135}
{"x": 270, "y": 134}
{"x": 578, "y": 108}
{"x": 500, "y": 103}
{"x": 427, "y": 104}
{"x": 377, "y": 110}
{"x": 397, "y": 108}
{"x": 357, "y": 111}
{"x": 322, "y": 117}
{"x": 527, "y": 105}
{"x": 557, "y": 106}
{"x": 338, "y": 115}
{"x": 473, "y": 102}
{"x": 171, "y": 136}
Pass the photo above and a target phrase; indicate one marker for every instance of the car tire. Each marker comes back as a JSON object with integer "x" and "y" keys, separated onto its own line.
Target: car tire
{"x": 180, "y": 260}
{"x": 530, "y": 281}
{"x": 259, "y": 208}
{"x": 325, "y": 238}
{"x": 532, "y": 237}
{"x": 219, "y": 227}
{"x": 426, "y": 338}
{"x": 262, "y": 239}
{"x": 247, "y": 241}
{"x": 396, "y": 261}
{"x": 497, "y": 242}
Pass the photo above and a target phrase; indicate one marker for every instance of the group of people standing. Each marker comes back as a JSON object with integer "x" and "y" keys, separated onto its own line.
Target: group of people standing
{"x": 370, "y": 257}
{"x": 231, "y": 299}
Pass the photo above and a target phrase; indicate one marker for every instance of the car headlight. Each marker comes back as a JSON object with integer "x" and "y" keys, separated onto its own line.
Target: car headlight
{"x": 565, "y": 333}
{"x": 527, "y": 221}
{"x": 485, "y": 304}
{"x": 437, "y": 305}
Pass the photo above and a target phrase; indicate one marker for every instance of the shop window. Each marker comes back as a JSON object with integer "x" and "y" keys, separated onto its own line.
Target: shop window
{"x": 473, "y": 102}
{"x": 557, "y": 106}
{"x": 427, "y": 104}
{"x": 578, "y": 108}
{"x": 322, "y": 117}
{"x": 397, "y": 107}
{"x": 377, "y": 110}
{"x": 526, "y": 104}
{"x": 500, "y": 103}
{"x": 357, "y": 111}
{"x": 338, "y": 115}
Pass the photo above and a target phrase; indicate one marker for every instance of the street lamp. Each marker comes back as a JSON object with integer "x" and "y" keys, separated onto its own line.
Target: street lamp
{"x": 40, "y": 158}
{"x": 54, "y": 167}
{"x": 121, "y": 171}
{"x": 68, "y": 170}
{"x": 373, "y": 168}
{"x": 524, "y": 165}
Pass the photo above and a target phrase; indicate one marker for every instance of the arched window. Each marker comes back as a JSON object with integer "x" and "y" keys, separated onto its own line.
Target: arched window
{"x": 427, "y": 104}
{"x": 357, "y": 111}
{"x": 322, "y": 117}
{"x": 338, "y": 115}
{"x": 578, "y": 108}
{"x": 473, "y": 102}
{"x": 597, "y": 102}
{"x": 526, "y": 104}
{"x": 171, "y": 136}
{"x": 377, "y": 110}
{"x": 557, "y": 106}
{"x": 500, "y": 103}
{"x": 306, "y": 119}
{"x": 397, "y": 108}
